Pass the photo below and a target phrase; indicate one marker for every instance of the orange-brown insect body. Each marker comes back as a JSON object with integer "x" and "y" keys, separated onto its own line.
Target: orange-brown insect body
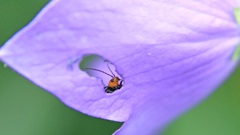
{"x": 113, "y": 82}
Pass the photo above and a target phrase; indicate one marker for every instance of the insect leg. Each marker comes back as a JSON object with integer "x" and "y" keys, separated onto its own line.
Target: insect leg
{"x": 120, "y": 85}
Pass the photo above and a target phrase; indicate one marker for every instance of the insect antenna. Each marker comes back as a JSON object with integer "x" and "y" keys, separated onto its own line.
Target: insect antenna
{"x": 110, "y": 70}
{"x": 100, "y": 71}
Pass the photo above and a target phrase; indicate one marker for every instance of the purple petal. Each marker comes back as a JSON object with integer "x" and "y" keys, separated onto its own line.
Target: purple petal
{"x": 171, "y": 55}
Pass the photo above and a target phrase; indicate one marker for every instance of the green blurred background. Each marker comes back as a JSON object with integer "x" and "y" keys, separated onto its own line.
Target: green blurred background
{"x": 26, "y": 109}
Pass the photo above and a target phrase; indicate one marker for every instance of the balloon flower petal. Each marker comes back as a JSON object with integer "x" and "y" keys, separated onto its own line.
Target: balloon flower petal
{"x": 170, "y": 54}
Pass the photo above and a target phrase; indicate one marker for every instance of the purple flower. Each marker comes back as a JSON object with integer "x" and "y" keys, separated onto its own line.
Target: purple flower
{"x": 171, "y": 55}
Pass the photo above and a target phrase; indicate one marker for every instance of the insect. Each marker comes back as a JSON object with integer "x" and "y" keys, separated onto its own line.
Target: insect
{"x": 113, "y": 83}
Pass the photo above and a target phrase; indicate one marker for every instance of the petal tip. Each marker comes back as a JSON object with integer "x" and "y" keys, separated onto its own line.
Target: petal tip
{"x": 2, "y": 53}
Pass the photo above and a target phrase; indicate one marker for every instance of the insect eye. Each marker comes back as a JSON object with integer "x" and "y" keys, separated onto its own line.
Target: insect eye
{"x": 112, "y": 80}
